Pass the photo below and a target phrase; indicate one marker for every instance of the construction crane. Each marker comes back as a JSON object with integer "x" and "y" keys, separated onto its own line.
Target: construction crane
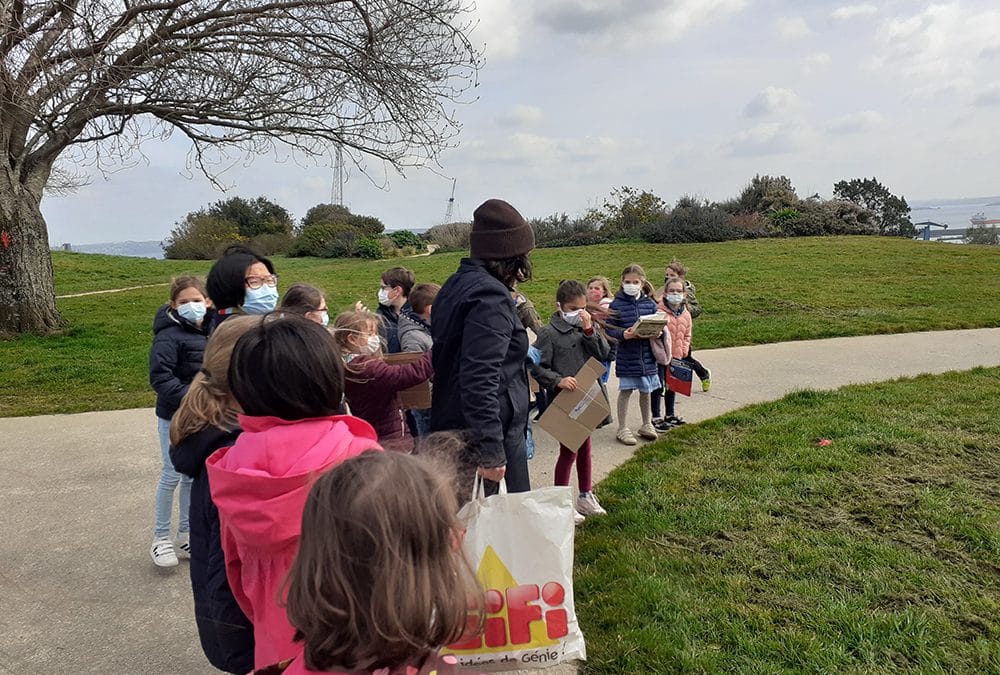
{"x": 450, "y": 211}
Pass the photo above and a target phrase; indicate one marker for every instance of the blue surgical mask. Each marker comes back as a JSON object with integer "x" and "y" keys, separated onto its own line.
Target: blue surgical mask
{"x": 260, "y": 300}
{"x": 192, "y": 311}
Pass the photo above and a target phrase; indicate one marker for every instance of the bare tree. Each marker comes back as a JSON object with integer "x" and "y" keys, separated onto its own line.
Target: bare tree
{"x": 85, "y": 81}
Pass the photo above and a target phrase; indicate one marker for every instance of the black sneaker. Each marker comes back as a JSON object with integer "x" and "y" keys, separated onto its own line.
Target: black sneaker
{"x": 676, "y": 421}
{"x": 662, "y": 426}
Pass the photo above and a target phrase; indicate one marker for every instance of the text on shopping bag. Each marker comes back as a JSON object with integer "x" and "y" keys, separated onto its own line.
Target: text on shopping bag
{"x": 514, "y": 616}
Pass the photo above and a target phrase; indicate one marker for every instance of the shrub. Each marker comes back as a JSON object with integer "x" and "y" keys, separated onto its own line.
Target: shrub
{"x": 559, "y": 230}
{"x": 982, "y": 234}
{"x": 766, "y": 194}
{"x": 326, "y": 240}
{"x": 272, "y": 244}
{"x": 371, "y": 248}
{"x": 450, "y": 236}
{"x": 405, "y": 238}
{"x": 325, "y": 213}
{"x": 692, "y": 220}
{"x": 752, "y": 225}
{"x": 253, "y": 217}
{"x": 201, "y": 237}
{"x": 368, "y": 226}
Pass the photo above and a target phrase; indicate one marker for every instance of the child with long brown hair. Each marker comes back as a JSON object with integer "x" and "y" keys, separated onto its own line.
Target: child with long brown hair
{"x": 380, "y": 582}
{"x": 372, "y": 386}
{"x": 205, "y": 422}
{"x": 179, "y": 336}
{"x": 599, "y": 298}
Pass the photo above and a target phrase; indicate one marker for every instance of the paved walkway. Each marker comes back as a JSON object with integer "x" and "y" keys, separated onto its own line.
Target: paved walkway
{"x": 76, "y": 498}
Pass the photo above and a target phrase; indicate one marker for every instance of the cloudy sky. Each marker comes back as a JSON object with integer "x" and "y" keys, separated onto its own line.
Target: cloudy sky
{"x": 672, "y": 96}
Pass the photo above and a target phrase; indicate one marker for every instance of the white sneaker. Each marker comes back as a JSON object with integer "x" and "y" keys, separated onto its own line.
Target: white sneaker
{"x": 588, "y": 505}
{"x": 625, "y": 436}
{"x": 162, "y": 553}
{"x": 182, "y": 545}
{"x": 648, "y": 431}
{"x": 578, "y": 518}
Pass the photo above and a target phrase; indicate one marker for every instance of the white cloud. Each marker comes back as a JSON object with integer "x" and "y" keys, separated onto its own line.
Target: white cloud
{"x": 934, "y": 44}
{"x": 815, "y": 62}
{"x": 770, "y": 101}
{"x": 792, "y": 27}
{"x": 864, "y": 120}
{"x": 521, "y": 115}
{"x": 769, "y": 138}
{"x": 632, "y": 23}
{"x": 500, "y": 25}
{"x": 527, "y": 149}
{"x": 988, "y": 96}
{"x": 848, "y": 12}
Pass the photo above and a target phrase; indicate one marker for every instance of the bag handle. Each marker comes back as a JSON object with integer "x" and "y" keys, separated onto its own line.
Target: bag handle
{"x": 479, "y": 487}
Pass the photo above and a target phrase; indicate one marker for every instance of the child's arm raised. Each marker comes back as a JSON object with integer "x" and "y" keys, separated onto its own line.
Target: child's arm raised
{"x": 397, "y": 377}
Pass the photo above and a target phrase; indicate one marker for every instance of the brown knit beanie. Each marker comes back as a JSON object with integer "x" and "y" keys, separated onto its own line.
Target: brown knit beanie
{"x": 499, "y": 231}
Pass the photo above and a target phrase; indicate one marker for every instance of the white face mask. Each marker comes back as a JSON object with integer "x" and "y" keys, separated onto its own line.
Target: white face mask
{"x": 324, "y": 317}
{"x": 675, "y": 298}
{"x": 192, "y": 311}
{"x": 383, "y": 296}
{"x": 572, "y": 318}
{"x": 632, "y": 289}
{"x": 374, "y": 344}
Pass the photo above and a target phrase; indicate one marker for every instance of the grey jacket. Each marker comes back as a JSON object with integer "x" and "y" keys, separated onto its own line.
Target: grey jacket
{"x": 414, "y": 334}
{"x": 565, "y": 349}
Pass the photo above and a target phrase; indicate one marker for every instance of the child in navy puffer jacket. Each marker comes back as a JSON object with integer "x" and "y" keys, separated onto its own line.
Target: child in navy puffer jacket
{"x": 174, "y": 359}
{"x": 635, "y": 364}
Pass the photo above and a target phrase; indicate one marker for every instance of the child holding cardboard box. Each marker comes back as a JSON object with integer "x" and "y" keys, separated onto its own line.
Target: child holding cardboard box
{"x": 566, "y": 343}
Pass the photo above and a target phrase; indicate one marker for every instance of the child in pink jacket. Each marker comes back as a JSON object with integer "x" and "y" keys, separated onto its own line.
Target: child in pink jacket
{"x": 680, "y": 340}
{"x": 288, "y": 379}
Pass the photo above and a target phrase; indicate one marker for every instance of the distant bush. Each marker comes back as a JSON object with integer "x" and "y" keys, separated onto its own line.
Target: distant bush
{"x": 450, "y": 236}
{"x": 368, "y": 226}
{"x": 405, "y": 238}
{"x": 201, "y": 237}
{"x": 691, "y": 220}
{"x": 371, "y": 248}
{"x": 982, "y": 234}
{"x": 326, "y": 240}
{"x": 272, "y": 244}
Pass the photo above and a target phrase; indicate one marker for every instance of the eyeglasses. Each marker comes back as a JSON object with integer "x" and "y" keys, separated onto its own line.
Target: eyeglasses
{"x": 257, "y": 282}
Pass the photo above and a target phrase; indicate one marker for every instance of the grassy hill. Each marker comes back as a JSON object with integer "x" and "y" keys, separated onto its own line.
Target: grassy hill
{"x": 753, "y": 292}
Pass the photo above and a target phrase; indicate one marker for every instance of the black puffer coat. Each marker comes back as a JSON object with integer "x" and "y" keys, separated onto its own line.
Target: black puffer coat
{"x": 225, "y": 632}
{"x": 174, "y": 359}
{"x": 480, "y": 377}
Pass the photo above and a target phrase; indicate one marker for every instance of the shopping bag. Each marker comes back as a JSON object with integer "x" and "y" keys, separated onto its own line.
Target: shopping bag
{"x": 679, "y": 377}
{"x": 521, "y": 546}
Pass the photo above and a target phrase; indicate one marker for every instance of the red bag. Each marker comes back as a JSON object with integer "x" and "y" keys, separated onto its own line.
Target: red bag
{"x": 679, "y": 377}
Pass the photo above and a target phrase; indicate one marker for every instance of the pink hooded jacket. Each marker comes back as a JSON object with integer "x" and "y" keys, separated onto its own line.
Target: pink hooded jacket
{"x": 260, "y": 486}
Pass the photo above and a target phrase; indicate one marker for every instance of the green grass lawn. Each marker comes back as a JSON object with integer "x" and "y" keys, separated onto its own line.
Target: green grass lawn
{"x": 752, "y": 291}
{"x": 738, "y": 545}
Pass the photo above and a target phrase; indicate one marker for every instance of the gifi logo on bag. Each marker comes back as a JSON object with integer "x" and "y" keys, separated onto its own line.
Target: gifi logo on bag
{"x": 514, "y": 617}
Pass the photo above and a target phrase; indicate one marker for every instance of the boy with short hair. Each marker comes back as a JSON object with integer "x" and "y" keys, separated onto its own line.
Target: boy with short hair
{"x": 415, "y": 336}
{"x": 393, "y": 300}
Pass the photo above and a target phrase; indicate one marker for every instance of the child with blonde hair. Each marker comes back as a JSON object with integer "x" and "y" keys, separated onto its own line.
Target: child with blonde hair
{"x": 371, "y": 385}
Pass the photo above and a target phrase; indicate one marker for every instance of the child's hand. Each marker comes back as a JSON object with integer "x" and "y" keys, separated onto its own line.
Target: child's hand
{"x": 568, "y": 383}
{"x": 586, "y": 321}
{"x": 359, "y": 306}
{"x": 629, "y": 334}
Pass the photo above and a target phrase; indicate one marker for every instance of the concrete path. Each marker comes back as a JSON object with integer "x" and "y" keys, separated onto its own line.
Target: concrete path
{"x": 80, "y": 594}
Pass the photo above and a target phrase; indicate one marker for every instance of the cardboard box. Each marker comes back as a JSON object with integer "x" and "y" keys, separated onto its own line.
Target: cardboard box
{"x": 414, "y": 398}
{"x": 573, "y": 415}
{"x": 650, "y": 325}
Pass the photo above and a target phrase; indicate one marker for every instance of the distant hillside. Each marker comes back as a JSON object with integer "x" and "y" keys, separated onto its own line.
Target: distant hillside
{"x": 130, "y": 249}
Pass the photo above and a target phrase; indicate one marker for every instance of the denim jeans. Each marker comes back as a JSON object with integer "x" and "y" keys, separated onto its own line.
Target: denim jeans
{"x": 165, "y": 489}
{"x": 422, "y": 421}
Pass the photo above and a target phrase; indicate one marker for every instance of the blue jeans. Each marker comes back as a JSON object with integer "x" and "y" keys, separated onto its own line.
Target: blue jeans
{"x": 422, "y": 420}
{"x": 165, "y": 489}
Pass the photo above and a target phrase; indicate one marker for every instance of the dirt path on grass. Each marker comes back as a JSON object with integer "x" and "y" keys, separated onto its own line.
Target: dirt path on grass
{"x": 76, "y": 502}
{"x": 109, "y": 290}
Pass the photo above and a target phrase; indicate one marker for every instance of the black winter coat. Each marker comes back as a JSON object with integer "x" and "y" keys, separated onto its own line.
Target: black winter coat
{"x": 480, "y": 377}
{"x": 635, "y": 357}
{"x": 389, "y": 328}
{"x": 174, "y": 359}
{"x": 225, "y": 632}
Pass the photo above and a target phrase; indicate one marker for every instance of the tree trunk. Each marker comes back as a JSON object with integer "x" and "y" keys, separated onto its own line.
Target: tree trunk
{"x": 27, "y": 289}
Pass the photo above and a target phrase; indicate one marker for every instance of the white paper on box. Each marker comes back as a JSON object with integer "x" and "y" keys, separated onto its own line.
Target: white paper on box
{"x": 579, "y": 408}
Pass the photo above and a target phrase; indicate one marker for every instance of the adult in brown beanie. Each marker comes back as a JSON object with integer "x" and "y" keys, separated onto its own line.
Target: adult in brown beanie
{"x": 480, "y": 345}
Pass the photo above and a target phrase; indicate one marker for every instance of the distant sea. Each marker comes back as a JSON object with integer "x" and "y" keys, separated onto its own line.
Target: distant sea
{"x": 955, "y": 213}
